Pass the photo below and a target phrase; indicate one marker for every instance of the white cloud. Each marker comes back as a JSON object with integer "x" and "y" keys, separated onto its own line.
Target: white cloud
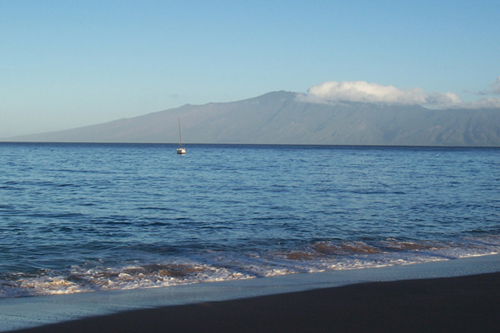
{"x": 484, "y": 103}
{"x": 361, "y": 91}
{"x": 443, "y": 100}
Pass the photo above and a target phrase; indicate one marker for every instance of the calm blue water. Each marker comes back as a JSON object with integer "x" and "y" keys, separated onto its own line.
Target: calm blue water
{"x": 83, "y": 217}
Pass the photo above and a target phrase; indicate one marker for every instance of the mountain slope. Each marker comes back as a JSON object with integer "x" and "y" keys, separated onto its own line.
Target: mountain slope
{"x": 281, "y": 118}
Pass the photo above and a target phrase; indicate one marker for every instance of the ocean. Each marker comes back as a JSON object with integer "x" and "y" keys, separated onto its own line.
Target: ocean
{"x": 94, "y": 217}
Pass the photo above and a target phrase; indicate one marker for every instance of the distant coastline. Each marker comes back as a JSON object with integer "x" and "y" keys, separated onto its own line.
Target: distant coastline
{"x": 281, "y": 118}
{"x": 194, "y": 144}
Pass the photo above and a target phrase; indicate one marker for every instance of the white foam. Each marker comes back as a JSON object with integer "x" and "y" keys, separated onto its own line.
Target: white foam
{"x": 217, "y": 267}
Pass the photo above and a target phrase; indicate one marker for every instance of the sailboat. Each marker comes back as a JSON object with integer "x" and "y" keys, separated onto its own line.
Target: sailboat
{"x": 180, "y": 150}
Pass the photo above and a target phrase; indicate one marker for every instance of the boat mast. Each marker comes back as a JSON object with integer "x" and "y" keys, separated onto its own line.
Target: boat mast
{"x": 180, "y": 139}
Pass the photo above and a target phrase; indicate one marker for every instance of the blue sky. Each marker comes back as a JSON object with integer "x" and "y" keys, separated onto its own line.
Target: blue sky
{"x": 67, "y": 64}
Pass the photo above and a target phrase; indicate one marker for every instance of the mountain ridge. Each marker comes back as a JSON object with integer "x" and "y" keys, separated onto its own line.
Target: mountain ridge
{"x": 281, "y": 117}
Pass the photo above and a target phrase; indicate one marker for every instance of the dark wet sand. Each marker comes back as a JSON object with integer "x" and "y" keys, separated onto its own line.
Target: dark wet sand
{"x": 460, "y": 304}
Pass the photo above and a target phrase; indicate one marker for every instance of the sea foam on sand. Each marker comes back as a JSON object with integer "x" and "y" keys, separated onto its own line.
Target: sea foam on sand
{"x": 17, "y": 313}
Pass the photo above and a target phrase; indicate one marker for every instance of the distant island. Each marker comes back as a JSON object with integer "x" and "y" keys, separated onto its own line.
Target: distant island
{"x": 284, "y": 118}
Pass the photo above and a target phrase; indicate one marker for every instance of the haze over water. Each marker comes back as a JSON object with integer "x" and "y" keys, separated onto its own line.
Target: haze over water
{"x": 84, "y": 217}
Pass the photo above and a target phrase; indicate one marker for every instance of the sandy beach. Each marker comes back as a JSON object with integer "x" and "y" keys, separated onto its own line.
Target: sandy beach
{"x": 458, "y": 304}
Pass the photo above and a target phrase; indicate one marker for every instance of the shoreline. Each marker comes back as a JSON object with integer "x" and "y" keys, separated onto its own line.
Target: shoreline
{"x": 152, "y": 306}
{"x": 457, "y": 304}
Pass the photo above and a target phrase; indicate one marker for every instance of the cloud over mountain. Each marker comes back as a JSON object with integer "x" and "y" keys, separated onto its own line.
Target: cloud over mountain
{"x": 361, "y": 91}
